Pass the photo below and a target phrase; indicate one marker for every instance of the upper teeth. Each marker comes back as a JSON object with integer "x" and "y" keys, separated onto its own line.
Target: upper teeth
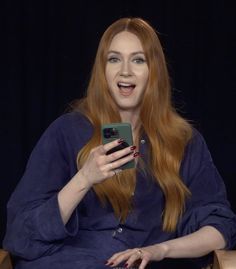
{"x": 124, "y": 84}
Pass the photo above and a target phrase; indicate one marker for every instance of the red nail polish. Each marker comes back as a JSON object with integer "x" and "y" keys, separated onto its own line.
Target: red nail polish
{"x": 136, "y": 154}
{"x": 121, "y": 140}
{"x": 126, "y": 265}
{"x": 133, "y": 148}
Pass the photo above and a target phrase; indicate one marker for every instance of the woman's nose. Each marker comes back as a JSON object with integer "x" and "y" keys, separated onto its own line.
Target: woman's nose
{"x": 125, "y": 69}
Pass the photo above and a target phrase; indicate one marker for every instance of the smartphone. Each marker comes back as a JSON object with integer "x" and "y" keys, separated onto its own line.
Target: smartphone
{"x": 115, "y": 131}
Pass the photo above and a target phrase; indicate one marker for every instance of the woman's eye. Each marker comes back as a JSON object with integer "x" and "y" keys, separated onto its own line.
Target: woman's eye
{"x": 113, "y": 59}
{"x": 139, "y": 60}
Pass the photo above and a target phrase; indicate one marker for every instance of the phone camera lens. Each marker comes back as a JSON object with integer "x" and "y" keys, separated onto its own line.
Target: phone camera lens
{"x": 107, "y": 132}
{"x": 110, "y": 132}
{"x": 114, "y": 132}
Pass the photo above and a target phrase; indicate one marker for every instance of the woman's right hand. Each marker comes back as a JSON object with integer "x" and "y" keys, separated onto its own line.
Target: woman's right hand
{"x": 96, "y": 168}
{"x": 100, "y": 166}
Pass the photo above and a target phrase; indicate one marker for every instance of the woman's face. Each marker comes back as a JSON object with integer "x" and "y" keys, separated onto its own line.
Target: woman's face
{"x": 126, "y": 71}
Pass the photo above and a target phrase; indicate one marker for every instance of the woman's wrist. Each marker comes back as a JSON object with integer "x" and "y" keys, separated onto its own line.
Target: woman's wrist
{"x": 82, "y": 182}
{"x": 165, "y": 248}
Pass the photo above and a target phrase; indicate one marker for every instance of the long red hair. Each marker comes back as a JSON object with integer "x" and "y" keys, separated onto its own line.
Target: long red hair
{"x": 168, "y": 132}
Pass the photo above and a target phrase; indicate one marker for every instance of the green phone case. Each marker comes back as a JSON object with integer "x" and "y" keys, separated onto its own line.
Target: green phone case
{"x": 113, "y": 131}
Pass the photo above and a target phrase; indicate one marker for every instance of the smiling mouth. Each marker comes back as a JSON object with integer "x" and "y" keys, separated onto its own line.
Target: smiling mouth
{"x": 126, "y": 89}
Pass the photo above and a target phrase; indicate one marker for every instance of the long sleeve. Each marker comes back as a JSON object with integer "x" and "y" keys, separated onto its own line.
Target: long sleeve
{"x": 34, "y": 226}
{"x": 208, "y": 204}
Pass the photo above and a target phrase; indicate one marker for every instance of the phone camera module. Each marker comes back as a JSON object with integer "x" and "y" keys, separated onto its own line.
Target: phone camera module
{"x": 110, "y": 132}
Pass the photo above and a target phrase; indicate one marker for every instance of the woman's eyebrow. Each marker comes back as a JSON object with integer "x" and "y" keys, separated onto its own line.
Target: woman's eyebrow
{"x": 133, "y": 53}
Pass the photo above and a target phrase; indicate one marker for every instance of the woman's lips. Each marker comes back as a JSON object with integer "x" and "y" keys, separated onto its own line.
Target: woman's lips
{"x": 126, "y": 89}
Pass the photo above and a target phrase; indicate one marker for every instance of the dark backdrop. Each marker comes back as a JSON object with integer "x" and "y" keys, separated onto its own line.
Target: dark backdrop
{"x": 48, "y": 50}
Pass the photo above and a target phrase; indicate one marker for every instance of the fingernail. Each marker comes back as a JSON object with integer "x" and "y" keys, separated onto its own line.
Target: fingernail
{"x": 136, "y": 154}
{"x": 133, "y": 148}
{"x": 126, "y": 265}
{"x": 121, "y": 140}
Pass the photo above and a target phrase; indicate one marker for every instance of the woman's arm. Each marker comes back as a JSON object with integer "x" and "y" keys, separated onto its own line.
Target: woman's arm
{"x": 71, "y": 195}
{"x": 193, "y": 245}
{"x": 51, "y": 188}
{"x": 97, "y": 168}
{"x": 196, "y": 244}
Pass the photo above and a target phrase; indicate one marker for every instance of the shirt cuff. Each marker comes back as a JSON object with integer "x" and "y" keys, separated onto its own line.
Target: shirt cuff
{"x": 46, "y": 224}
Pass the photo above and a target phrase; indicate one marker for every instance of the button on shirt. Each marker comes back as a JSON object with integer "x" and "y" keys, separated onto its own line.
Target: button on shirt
{"x": 35, "y": 231}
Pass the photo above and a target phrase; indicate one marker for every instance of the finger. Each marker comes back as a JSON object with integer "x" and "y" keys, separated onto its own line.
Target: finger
{"x": 118, "y": 163}
{"x": 116, "y": 171}
{"x": 133, "y": 259}
{"x": 112, "y": 168}
{"x": 113, "y": 144}
{"x": 144, "y": 263}
{"x": 120, "y": 153}
{"x": 111, "y": 173}
{"x": 102, "y": 149}
{"x": 118, "y": 258}
{"x": 128, "y": 256}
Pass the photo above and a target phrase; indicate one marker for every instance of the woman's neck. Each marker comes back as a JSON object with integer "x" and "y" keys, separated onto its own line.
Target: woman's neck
{"x": 133, "y": 119}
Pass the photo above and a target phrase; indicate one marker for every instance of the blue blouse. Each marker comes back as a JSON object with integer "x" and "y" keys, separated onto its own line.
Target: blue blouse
{"x": 38, "y": 238}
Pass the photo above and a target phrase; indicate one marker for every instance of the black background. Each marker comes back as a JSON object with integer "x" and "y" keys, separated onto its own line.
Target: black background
{"x": 47, "y": 53}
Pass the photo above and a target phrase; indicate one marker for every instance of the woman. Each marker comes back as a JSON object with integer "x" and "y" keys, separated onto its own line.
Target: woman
{"x": 75, "y": 207}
